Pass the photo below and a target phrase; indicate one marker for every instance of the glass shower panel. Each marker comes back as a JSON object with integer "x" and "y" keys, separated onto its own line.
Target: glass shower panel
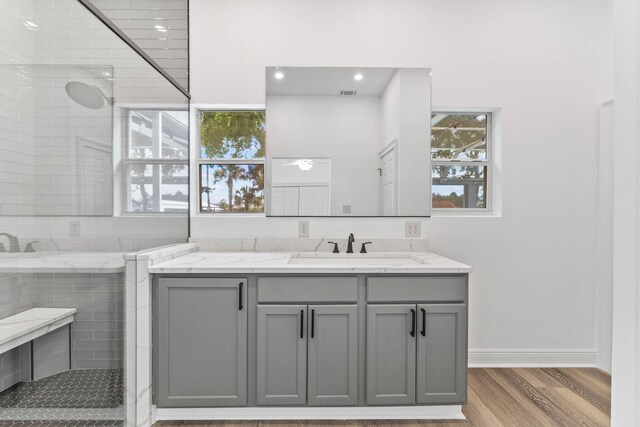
{"x": 93, "y": 164}
{"x": 158, "y": 27}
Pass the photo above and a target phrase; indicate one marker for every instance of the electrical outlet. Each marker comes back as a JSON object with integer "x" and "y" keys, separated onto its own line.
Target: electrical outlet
{"x": 303, "y": 228}
{"x": 346, "y": 209}
{"x": 412, "y": 229}
{"x": 74, "y": 229}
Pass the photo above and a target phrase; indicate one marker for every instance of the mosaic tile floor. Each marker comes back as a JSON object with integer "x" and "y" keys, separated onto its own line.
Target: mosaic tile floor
{"x": 73, "y": 398}
{"x": 65, "y": 423}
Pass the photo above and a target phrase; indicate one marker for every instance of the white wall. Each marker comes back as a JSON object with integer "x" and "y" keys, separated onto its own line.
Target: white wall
{"x": 533, "y": 290}
{"x": 347, "y": 130}
{"x": 625, "y": 394}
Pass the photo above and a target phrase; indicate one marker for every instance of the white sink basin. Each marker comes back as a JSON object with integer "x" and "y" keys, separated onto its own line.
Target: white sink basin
{"x": 354, "y": 260}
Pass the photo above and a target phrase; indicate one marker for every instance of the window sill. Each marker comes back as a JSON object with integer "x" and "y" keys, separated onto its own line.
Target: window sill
{"x": 459, "y": 213}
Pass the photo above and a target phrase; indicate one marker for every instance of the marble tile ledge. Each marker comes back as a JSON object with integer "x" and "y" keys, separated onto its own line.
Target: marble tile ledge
{"x": 62, "y": 262}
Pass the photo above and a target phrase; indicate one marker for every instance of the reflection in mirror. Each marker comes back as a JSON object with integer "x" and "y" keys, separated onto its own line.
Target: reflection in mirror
{"x": 348, "y": 141}
{"x": 300, "y": 187}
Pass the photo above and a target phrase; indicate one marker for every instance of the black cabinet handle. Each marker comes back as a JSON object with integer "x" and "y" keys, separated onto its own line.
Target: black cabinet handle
{"x": 413, "y": 323}
{"x": 313, "y": 323}
{"x": 301, "y": 324}
{"x": 240, "y": 306}
{"x": 424, "y": 322}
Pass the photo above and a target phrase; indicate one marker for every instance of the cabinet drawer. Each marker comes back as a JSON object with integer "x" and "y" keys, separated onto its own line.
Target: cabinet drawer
{"x": 307, "y": 289}
{"x": 414, "y": 289}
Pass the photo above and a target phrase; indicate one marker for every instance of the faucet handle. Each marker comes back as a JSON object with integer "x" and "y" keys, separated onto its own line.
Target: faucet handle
{"x": 363, "y": 250}
{"x": 335, "y": 247}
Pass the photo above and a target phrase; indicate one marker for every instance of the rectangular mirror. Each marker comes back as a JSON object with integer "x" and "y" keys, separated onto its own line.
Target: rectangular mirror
{"x": 347, "y": 141}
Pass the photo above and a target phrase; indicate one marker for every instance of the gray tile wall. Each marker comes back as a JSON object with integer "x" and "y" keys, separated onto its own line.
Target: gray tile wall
{"x": 51, "y": 353}
{"x": 97, "y": 332}
{"x": 17, "y": 294}
{"x": 98, "y": 329}
{"x": 9, "y": 368}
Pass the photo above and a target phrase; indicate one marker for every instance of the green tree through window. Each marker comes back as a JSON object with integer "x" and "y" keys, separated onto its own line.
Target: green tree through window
{"x": 232, "y": 151}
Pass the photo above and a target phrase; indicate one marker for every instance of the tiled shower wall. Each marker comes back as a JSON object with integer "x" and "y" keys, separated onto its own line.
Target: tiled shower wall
{"x": 17, "y": 294}
{"x": 140, "y": 19}
{"x": 97, "y": 331}
{"x": 98, "y": 328}
{"x": 16, "y": 157}
{"x": 43, "y": 132}
{"x": 16, "y": 108}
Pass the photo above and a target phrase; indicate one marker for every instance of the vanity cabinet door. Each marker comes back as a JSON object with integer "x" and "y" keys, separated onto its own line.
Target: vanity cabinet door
{"x": 282, "y": 355}
{"x": 442, "y": 353}
{"x": 333, "y": 354}
{"x": 391, "y": 354}
{"x": 202, "y": 342}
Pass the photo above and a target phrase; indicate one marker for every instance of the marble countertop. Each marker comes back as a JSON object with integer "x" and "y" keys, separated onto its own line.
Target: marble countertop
{"x": 13, "y": 327}
{"x": 310, "y": 262}
{"x": 62, "y": 262}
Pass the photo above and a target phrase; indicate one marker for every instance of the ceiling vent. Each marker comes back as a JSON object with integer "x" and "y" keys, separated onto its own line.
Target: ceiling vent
{"x": 348, "y": 92}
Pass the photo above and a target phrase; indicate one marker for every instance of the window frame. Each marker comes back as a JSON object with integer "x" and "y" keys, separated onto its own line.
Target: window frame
{"x": 127, "y": 161}
{"x": 199, "y": 160}
{"x": 488, "y": 162}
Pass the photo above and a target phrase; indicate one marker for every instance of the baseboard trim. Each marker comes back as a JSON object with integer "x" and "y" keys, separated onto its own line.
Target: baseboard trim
{"x": 500, "y": 358}
{"x": 444, "y": 412}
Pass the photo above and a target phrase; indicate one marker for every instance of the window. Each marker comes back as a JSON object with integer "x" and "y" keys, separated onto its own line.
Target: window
{"x": 460, "y": 160}
{"x": 231, "y": 161}
{"x": 156, "y": 162}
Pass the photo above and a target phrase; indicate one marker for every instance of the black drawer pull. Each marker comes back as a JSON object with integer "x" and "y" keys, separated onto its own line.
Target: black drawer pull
{"x": 240, "y": 306}
{"x": 413, "y": 323}
{"x": 313, "y": 323}
{"x": 424, "y": 322}
{"x": 301, "y": 324}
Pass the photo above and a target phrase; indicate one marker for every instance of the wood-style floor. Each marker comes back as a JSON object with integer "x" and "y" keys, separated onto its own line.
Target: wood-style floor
{"x": 500, "y": 397}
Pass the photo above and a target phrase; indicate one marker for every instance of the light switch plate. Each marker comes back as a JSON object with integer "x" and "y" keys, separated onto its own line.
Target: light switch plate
{"x": 412, "y": 229}
{"x": 303, "y": 228}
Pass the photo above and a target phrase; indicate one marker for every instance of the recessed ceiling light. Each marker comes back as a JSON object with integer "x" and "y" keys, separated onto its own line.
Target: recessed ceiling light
{"x": 358, "y": 77}
{"x": 161, "y": 28}
{"x": 279, "y": 75}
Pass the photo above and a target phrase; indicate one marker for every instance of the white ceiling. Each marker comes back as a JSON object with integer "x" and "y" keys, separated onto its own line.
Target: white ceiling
{"x": 328, "y": 81}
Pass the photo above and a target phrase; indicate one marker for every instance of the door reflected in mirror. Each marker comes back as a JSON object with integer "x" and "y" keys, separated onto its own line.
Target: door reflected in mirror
{"x": 345, "y": 141}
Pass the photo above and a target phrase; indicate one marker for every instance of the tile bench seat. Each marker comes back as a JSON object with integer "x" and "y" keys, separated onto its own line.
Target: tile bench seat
{"x": 28, "y": 325}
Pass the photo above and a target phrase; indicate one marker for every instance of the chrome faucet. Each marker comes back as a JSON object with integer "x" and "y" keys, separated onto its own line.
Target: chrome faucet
{"x": 14, "y": 244}
{"x": 350, "y": 243}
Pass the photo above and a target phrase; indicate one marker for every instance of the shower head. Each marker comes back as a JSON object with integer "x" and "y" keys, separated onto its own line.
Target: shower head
{"x": 87, "y": 95}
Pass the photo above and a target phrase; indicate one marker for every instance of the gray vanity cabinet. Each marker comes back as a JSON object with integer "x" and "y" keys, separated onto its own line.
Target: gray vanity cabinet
{"x": 307, "y": 355}
{"x": 282, "y": 355}
{"x": 416, "y": 354}
{"x": 201, "y": 342}
{"x": 441, "y": 355}
{"x": 310, "y": 340}
{"x": 391, "y": 354}
{"x": 333, "y": 355}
